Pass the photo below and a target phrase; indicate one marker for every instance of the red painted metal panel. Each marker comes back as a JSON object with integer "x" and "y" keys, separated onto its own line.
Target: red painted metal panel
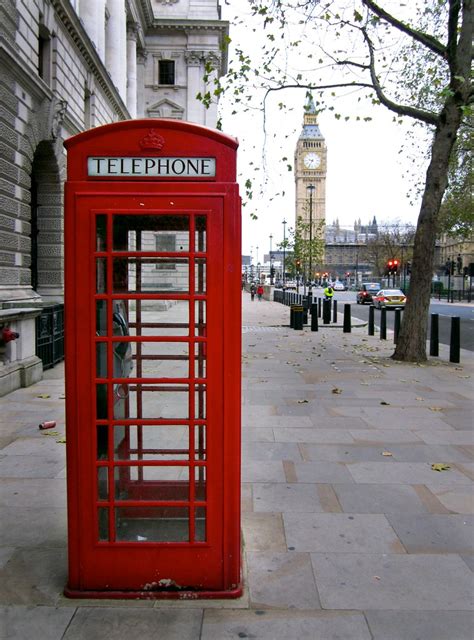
{"x": 153, "y": 374}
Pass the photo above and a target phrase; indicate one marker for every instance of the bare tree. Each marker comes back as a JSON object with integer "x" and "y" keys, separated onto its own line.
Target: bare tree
{"x": 417, "y": 64}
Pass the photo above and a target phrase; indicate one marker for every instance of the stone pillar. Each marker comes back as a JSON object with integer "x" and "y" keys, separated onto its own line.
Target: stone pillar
{"x": 116, "y": 45}
{"x": 212, "y": 60}
{"x": 132, "y": 30}
{"x": 194, "y": 109}
{"x": 141, "y": 66}
{"x": 92, "y": 14}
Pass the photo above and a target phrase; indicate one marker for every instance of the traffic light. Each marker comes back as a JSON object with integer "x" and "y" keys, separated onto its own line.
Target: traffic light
{"x": 395, "y": 266}
{"x": 298, "y": 265}
{"x": 389, "y": 267}
{"x": 408, "y": 268}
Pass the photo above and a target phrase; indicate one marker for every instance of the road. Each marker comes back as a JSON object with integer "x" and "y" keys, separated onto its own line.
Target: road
{"x": 445, "y": 310}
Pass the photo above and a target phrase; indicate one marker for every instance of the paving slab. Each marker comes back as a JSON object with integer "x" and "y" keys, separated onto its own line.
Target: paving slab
{"x": 282, "y": 580}
{"x": 340, "y": 532}
{"x": 374, "y": 498}
{"x": 457, "y": 499}
{"x": 274, "y": 497}
{"x": 103, "y": 623}
{"x": 421, "y": 625}
{"x": 404, "y": 473}
{"x": 40, "y": 623}
{"x": 399, "y": 582}
{"x": 434, "y": 533}
{"x": 290, "y": 625}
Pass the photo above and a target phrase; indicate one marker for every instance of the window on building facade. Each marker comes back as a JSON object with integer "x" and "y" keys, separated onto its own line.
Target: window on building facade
{"x": 44, "y": 54}
{"x": 164, "y": 243}
{"x": 166, "y": 72}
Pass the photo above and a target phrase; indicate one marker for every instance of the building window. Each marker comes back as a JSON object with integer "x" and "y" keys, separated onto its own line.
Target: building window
{"x": 165, "y": 243}
{"x": 44, "y": 55}
{"x": 166, "y": 72}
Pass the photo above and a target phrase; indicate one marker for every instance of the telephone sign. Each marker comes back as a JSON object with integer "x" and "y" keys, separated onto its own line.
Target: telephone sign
{"x": 152, "y": 299}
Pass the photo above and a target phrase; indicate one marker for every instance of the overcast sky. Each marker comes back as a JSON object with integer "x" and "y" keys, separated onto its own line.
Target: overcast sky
{"x": 366, "y": 166}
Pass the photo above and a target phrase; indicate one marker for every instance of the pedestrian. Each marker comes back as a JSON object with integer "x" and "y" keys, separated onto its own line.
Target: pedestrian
{"x": 260, "y": 291}
{"x": 328, "y": 292}
{"x": 253, "y": 290}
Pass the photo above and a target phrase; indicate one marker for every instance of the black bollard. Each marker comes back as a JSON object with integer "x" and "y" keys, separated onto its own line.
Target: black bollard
{"x": 292, "y": 316}
{"x": 396, "y": 325}
{"x": 371, "y": 320}
{"x": 319, "y": 307}
{"x": 434, "y": 335}
{"x": 347, "y": 319}
{"x": 455, "y": 342}
{"x": 326, "y": 311}
{"x": 383, "y": 323}
{"x": 298, "y": 318}
{"x": 334, "y": 311}
{"x": 314, "y": 317}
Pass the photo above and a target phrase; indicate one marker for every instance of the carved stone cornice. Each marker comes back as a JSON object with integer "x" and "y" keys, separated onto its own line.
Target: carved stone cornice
{"x": 72, "y": 24}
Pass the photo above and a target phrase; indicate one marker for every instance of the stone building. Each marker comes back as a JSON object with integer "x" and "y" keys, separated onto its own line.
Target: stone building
{"x": 67, "y": 66}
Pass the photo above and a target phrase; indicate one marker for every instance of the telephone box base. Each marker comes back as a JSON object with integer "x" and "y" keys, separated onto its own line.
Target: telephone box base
{"x": 155, "y": 595}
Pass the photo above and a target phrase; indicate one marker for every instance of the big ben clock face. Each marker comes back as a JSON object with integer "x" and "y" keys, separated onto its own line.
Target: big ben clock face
{"x": 312, "y": 161}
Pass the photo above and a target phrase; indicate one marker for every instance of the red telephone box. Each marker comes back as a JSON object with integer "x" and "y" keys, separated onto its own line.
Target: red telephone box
{"x": 152, "y": 300}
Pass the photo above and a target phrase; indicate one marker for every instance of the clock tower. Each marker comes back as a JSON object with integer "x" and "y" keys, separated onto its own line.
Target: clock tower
{"x": 310, "y": 171}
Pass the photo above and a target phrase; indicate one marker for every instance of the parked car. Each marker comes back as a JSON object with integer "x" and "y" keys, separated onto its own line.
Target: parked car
{"x": 389, "y": 299}
{"x": 367, "y": 291}
{"x": 339, "y": 286}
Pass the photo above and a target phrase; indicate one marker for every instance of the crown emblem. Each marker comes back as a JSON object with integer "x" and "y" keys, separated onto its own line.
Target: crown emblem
{"x": 152, "y": 140}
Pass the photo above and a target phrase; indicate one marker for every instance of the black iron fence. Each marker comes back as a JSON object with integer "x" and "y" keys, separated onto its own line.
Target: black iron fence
{"x": 50, "y": 335}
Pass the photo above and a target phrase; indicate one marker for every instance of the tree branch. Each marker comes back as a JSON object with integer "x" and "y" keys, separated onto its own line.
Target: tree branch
{"x": 454, "y": 7}
{"x": 403, "y": 110}
{"x": 424, "y": 38}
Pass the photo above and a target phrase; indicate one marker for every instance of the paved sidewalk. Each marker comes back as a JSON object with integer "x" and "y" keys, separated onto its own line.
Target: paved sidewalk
{"x": 349, "y": 533}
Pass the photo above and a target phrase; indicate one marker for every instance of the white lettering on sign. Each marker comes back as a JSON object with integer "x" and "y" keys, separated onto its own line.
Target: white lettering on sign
{"x": 151, "y": 167}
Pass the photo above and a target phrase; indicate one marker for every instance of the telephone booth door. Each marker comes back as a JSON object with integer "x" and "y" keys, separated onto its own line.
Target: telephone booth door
{"x": 153, "y": 459}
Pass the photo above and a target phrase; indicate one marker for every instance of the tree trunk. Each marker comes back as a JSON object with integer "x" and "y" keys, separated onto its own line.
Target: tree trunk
{"x": 411, "y": 345}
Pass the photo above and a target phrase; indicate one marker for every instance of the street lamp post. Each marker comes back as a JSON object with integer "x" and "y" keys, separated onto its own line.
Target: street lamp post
{"x": 310, "y": 189}
{"x": 284, "y": 251}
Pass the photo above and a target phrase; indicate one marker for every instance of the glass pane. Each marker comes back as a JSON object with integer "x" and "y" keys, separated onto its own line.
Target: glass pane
{"x": 101, "y": 401}
{"x": 103, "y": 483}
{"x": 200, "y": 401}
{"x": 151, "y": 275}
{"x": 152, "y": 524}
{"x": 101, "y": 359}
{"x": 200, "y": 483}
{"x": 146, "y": 232}
{"x": 101, "y": 317}
{"x": 101, "y": 232}
{"x": 200, "y": 441}
{"x": 157, "y": 401}
{"x": 158, "y": 317}
{"x": 152, "y": 483}
{"x": 101, "y": 275}
{"x": 201, "y": 355}
{"x": 161, "y": 359}
{"x": 200, "y": 524}
{"x": 103, "y": 524}
{"x": 102, "y": 442}
{"x": 152, "y": 442}
{"x": 200, "y": 276}
{"x": 200, "y": 318}
{"x": 200, "y": 240}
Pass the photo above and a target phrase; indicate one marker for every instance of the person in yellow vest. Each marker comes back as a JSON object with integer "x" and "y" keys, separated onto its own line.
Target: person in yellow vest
{"x": 328, "y": 292}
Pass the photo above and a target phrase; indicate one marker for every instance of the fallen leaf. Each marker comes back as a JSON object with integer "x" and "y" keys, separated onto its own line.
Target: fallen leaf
{"x": 386, "y": 454}
{"x": 44, "y": 395}
{"x": 62, "y": 441}
{"x": 464, "y": 376}
{"x": 366, "y": 384}
{"x": 436, "y": 408}
{"x": 51, "y": 433}
{"x": 377, "y": 578}
{"x": 420, "y": 399}
{"x": 336, "y": 390}
{"x": 302, "y": 401}
{"x": 440, "y": 466}
{"x": 385, "y": 403}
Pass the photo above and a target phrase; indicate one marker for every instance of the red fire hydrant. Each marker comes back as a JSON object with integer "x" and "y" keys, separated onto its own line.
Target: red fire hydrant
{"x": 8, "y": 335}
